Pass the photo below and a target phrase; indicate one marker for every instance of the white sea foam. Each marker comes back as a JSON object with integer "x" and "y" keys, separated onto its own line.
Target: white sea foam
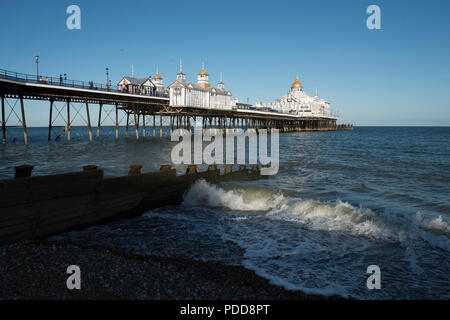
{"x": 305, "y": 244}
{"x": 340, "y": 216}
{"x": 335, "y": 216}
{"x": 203, "y": 193}
{"x": 435, "y": 224}
{"x": 330, "y": 290}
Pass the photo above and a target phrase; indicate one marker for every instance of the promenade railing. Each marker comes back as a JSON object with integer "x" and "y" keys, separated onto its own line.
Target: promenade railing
{"x": 63, "y": 82}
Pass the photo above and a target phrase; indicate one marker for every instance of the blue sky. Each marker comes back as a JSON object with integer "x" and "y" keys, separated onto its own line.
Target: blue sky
{"x": 399, "y": 75}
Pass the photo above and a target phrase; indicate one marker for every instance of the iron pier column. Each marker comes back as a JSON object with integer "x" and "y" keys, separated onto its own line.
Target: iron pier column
{"x": 89, "y": 121}
{"x": 24, "y": 122}
{"x": 50, "y": 121}
{"x": 3, "y": 120}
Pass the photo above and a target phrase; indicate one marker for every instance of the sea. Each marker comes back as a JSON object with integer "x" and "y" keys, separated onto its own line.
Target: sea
{"x": 342, "y": 201}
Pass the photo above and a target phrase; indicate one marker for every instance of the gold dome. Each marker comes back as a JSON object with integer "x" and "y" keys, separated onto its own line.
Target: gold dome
{"x": 297, "y": 83}
{"x": 203, "y": 72}
{"x": 157, "y": 76}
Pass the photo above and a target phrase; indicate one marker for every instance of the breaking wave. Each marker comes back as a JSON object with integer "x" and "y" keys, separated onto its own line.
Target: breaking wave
{"x": 338, "y": 216}
{"x": 202, "y": 193}
{"x": 325, "y": 247}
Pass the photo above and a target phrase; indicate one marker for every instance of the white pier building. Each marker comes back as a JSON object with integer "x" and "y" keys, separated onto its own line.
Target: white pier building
{"x": 200, "y": 94}
{"x": 297, "y": 102}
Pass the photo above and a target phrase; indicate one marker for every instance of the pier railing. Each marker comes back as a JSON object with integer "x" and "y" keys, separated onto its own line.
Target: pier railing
{"x": 63, "y": 82}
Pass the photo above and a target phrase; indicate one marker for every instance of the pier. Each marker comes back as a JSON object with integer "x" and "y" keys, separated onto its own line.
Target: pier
{"x": 141, "y": 114}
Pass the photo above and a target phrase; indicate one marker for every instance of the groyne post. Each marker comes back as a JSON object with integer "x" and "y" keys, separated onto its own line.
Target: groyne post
{"x": 135, "y": 170}
{"x": 23, "y": 171}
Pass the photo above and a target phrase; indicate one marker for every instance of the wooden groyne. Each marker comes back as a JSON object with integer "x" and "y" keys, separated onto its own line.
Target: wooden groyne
{"x": 35, "y": 207}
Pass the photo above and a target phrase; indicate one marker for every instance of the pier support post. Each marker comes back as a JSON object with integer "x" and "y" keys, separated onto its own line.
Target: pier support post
{"x": 50, "y": 121}
{"x": 24, "y": 122}
{"x": 171, "y": 124}
{"x": 128, "y": 124}
{"x": 3, "y": 120}
{"x": 160, "y": 126}
{"x": 154, "y": 125}
{"x": 68, "y": 119}
{"x": 89, "y": 121}
{"x": 136, "y": 123}
{"x": 99, "y": 119}
{"x": 143, "y": 125}
{"x": 203, "y": 125}
{"x": 117, "y": 122}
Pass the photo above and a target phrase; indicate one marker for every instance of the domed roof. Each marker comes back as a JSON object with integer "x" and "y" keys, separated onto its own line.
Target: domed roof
{"x": 157, "y": 76}
{"x": 296, "y": 83}
{"x": 203, "y": 72}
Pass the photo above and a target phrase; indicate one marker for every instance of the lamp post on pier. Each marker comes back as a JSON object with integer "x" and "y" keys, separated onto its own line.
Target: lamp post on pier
{"x": 107, "y": 78}
{"x": 36, "y": 57}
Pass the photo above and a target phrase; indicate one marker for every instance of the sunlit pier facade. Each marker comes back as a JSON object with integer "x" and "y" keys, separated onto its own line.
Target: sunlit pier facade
{"x": 200, "y": 94}
{"x": 297, "y": 102}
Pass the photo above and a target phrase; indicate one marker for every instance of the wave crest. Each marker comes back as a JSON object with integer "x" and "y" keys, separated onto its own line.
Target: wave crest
{"x": 202, "y": 193}
{"x": 337, "y": 216}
